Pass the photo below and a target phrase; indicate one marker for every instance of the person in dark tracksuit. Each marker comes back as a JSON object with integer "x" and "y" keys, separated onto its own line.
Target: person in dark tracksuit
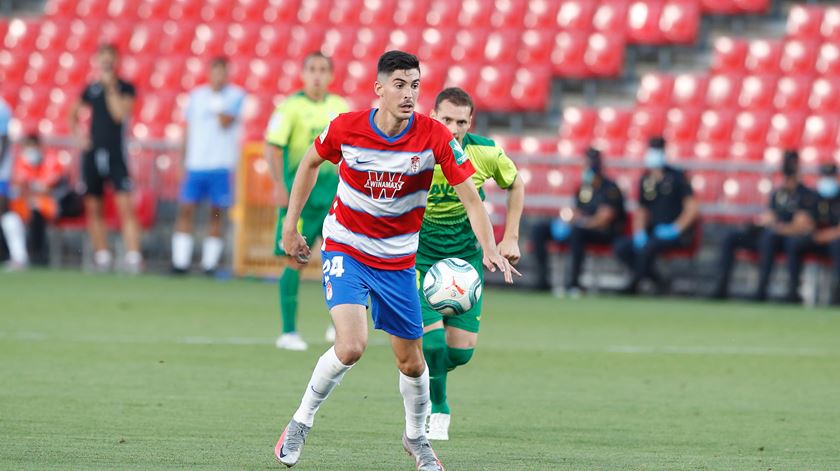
{"x": 598, "y": 219}
{"x": 779, "y": 229}
{"x": 826, "y": 239}
{"x": 664, "y": 220}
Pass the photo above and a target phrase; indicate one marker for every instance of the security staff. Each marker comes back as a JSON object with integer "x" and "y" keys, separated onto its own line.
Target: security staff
{"x": 667, "y": 212}
{"x": 826, "y": 239}
{"x": 788, "y": 218}
{"x": 598, "y": 218}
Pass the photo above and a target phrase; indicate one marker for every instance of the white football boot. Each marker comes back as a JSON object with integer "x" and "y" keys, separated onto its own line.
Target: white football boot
{"x": 329, "y": 335}
{"x": 291, "y": 341}
{"x": 438, "y": 427}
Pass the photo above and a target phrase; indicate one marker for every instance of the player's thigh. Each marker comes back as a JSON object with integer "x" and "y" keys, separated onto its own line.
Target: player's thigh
{"x": 346, "y": 293}
{"x": 460, "y": 338}
{"x": 351, "y": 331}
{"x": 92, "y": 181}
{"x": 192, "y": 188}
{"x": 118, "y": 171}
{"x": 220, "y": 189}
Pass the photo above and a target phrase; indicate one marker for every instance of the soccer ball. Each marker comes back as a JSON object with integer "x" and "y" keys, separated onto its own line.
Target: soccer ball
{"x": 452, "y": 286}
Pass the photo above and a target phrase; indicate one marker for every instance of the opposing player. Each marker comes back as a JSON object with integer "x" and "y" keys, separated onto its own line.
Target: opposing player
{"x": 449, "y": 342}
{"x": 213, "y": 118}
{"x": 386, "y": 160}
{"x": 293, "y": 127}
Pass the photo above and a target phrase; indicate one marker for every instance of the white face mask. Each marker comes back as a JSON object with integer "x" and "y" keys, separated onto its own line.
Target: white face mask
{"x": 32, "y": 156}
{"x": 654, "y": 158}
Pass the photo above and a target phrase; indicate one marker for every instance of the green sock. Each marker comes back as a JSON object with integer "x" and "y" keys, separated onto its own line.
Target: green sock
{"x": 456, "y": 357}
{"x": 434, "y": 349}
{"x": 289, "y": 299}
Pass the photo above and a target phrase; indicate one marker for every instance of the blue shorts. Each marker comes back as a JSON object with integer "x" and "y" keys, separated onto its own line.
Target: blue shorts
{"x": 208, "y": 184}
{"x": 394, "y": 304}
{"x": 4, "y": 188}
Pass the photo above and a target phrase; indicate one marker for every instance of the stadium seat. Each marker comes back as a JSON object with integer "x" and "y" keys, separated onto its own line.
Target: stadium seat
{"x": 604, "y": 56}
{"x": 828, "y": 63}
{"x": 42, "y": 67}
{"x": 752, "y": 6}
{"x": 719, "y": 7}
{"x": 436, "y": 44}
{"x": 716, "y": 126}
{"x": 146, "y": 38}
{"x": 209, "y": 40}
{"x": 369, "y": 43}
{"x": 502, "y": 46}
{"x": 799, "y": 56}
{"x": 679, "y": 150}
{"x": 536, "y": 47}
{"x": 825, "y": 96}
{"x": 655, "y": 90}
{"x": 272, "y": 42}
{"x": 60, "y": 8}
{"x": 22, "y": 35}
{"x": 433, "y": 77}
{"x": 763, "y": 56}
{"x": 818, "y": 137}
{"x": 469, "y": 43}
{"x": 411, "y": 14}
{"x": 612, "y": 124}
{"x": 442, "y": 15}
{"x": 711, "y": 150}
{"x": 153, "y": 10}
{"x": 304, "y": 40}
{"x": 360, "y": 76}
{"x": 289, "y": 80}
{"x": 706, "y": 185}
{"x": 13, "y": 65}
{"x": 680, "y": 21}
{"x": 466, "y": 76}
{"x": 252, "y": 11}
{"x": 177, "y": 38}
{"x": 242, "y": 39}
{"x": 167, "y": 72}
{"x": 729, "y": 55}
{"x": 92, "y": 9}
{"x": 345, "y": 13}
{"x": 610, "y": 17}
{"x": 378, "y": 13}
{"x": 568, "y": 53}
{"x": 52, "y": 35}
{"x": 575, "y": 15}
{"x": 509, "y": 14}
{"x": 541, "y": 14}
{"x": 217, "y": 11}
{"x": 185, "y": 10}
{"x": 339, "y": 42}
{"x": 492, "y": 90}
{"x": 786, "y": 130}
{"x": 681, "y": 125}
{"x": 723, "y": 91}
{"x": 155, "y": 108}
{"x": 646, "y": 123}
{"x": 73, "y": 71}
{"x": 804, "y": 21}
{"x": 689, "y": 90}
{"x": 643, "y": 23}
{"x": 475, "y": 14}
{"x": 404, "y": 39}
{"x": 745, "y": 189}
{"x": 137, "y": 69}
{"x": 830, "y": 29}
{"x": 792, "y": 93}
{"x": 757, "y": 92}
{"x": 530, "y": 91}
{"x": 748, "y": 135}
{"x": 314, "y": 12}
{"x": 578, "y": 123}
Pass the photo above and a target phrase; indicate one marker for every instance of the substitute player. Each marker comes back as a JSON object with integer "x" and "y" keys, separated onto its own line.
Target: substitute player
{"x": 293, "y": 127}
{"x": 386, "y": 160}
{"x": 213, "y": 118}
{"x": 448, "y": 342}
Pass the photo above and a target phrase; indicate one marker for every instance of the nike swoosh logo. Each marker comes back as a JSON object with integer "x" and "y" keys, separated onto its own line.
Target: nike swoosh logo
{"x": 283, "y": 455}
{"x": 363, "y": 162}
{"x": 315, "y": 390}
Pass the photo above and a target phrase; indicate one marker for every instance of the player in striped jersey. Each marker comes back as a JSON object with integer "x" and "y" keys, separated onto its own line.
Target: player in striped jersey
{"x": 448, "y": 342}
{"x": 386, "y": 160}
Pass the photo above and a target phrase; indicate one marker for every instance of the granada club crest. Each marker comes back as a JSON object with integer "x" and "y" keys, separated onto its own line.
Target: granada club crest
{"x": 384, "y": 185}
{"x": 329, "y": 290}
{"x": 415, "y": 164}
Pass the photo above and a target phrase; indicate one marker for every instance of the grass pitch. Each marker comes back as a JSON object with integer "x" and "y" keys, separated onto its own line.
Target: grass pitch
{"x": 106, "y": 372}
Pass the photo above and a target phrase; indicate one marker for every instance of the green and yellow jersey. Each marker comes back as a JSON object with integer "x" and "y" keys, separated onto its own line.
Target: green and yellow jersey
{"x": 446, "y": 230}
{"x": 294, "y": 125}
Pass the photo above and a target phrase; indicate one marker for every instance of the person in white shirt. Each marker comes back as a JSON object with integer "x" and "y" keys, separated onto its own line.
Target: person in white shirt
{"x": 213, "y": 117}
{"x": 11, "y": 225}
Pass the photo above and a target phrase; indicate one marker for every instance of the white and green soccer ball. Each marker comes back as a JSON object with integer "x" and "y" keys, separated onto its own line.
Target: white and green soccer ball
{"x": 452, "y": 286}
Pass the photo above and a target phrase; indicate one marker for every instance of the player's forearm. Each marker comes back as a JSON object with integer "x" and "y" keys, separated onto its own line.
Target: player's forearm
{"x": 601, "y": 220}
{"x": 515, "y": 205}
{"x": 305, "y": 178}
{"x": 688, "y": 215}
{"x": 479, "y": 219}
{"x": 274, "y": 156}
{"x": 640, "y": 222}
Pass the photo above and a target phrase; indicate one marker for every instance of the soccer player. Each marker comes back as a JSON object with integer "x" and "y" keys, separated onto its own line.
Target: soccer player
{"x": 14, "y": 232}
{"x": 212, "y": 150}
{"x": 449, "y": 342}
{"x": 111, "y": 101}
{"x": 386, "y": 160}
{"x": 293, "y": 127}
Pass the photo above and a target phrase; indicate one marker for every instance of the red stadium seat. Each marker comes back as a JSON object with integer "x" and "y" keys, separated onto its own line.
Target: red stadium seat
{"x": 117, "y": 33}
{"x": 60, "y": 8}
{"x": 818, "y": 136}
{"x": 177, "y": 37}
{"x": 643, "y": 23}
{"x": 52, "y": 36}
{"x": 22, "y": 35}
{"x": 360, "y": 77}
{"x": 475, "y": 14}
{"x": 610, "y": 131}
{"x": 680, "y": 150}
{"x": 604, "y": 56}
{"x": 723, "y": 91}
{"x": 13, "y": 66}
{"x": 436, "y": 44}
{"x": 502, "y": 46}
{"x": 828, "y": 63}
{"x": 799, "y": 57}
{"x": 578, "y": 123}
{"x": 469, "y": 44}
{"x": 280, "y": 13}
{"x": 541, "y": 14}
{"x": 369, "y": 43}
{"x": 492, "y": 91}
{"x": 719, "y": 7}
{"x": 209, "y": 40}
{"x": 745, "y": 189}
{"x": 509, "y": 14}
{"x": 716, "y": 126}
{"x": 711, "y": 150}
{"x": 465, "y": 76}
{"x": 73, "y": 72}
{"x": 433, "y": 77}
{"x": 792, "y": 93}
{"x": 610, "y": 17}
{"x": 242, "y": 39}
{"x": 345, "y": 13}
{"x": 32, "y": 103}
{"x": 304, "y": 40}
{"x": 146, "y": 38}
{"x": 706, "y": 186}
{"x": 272, "y": 41}
{"x": 749, "y": 135}
{"x": 786, "y": 130}
{"x": 568, "y": 53}
{"x": 137, "y": 69}
{"x": 531, "y": 88}
{"x": 195, "y": 72}
{"x": 217, "y": 11}
{"x": 825, "y": 96}
{"x": 576, "y": 15}
{"x": 680, "y": 21}
{"x": 441, "y": 14}
{"x": 804, "y": 21}
{"x": 92, "y": 9}
{"x": 757, "y": 92}
{"x": 681, "y": 125}
{"x": 689, "y": 90}
{"x": 185, "y": 10}
{"x": 752, "y": 6}
{"x": 646, "y": 123}
{"x": 339, "y": 42}
{"x": 167, "y": 73}
{"x": 830, "y": 29}
{"x": 155, "y": 108}
{"x": 289, "y": 80}
{"x": 42, "y": 67}
{"x": 154, "y": 10}
{"x": 729, "y": 55}
{"x": 411, "y": 14}
{"x": 763, "y": 56}
{"x": 251, "y": 11}
{"x": 404, "y": 39}
{"x": 536, "y": 47}
{"x": 655, "y": 90}
{"x": 314, "y": 12}
{"x": 378, "y": 13}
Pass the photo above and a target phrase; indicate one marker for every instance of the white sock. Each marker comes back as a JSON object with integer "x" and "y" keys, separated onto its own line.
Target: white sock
{"x": 328, "y": 373}
{"x": 211, "y": 252}
{"x": 15, "y": 233}
{"x": 102, "y": 257}
{"x": 133, "y": 257}
{"x": 182, "y": 249}
{"x": 415, "y": 392}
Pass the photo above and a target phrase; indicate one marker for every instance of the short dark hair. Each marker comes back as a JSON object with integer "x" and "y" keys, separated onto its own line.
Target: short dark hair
{"x": 392, "y": 61}
{"x": 318, "y": 55}
{"x": 107, "y": 47}
{"x": 456, "y": 96}
{"x": 219, "y": 61}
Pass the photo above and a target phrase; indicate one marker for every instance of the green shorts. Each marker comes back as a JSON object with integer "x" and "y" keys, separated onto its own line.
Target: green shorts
{"x": 310, "y": 225}
{"x": 436, "y": 243}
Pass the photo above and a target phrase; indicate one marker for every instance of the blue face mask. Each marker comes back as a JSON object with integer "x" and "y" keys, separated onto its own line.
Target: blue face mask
{"x": 587, "y": 177}
{"x": 654, "y": 158}
{"x": 828, "y": 187}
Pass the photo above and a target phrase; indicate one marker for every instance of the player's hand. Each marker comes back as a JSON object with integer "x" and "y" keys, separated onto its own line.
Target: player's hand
{"x": 510, "y": 250}
{"x": 295, "y": 246}
{"x": 496, "y": 261}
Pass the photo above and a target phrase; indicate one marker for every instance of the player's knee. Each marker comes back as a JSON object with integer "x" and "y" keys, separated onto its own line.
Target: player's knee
{"x": 350, "y": 352}
{"x": 458, "y": 357}
{"x": 413, "y": 367}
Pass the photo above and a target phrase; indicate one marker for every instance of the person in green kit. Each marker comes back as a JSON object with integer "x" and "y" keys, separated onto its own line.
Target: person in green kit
{"x": 448, "y": 342}
{"x": 293, "y": 127}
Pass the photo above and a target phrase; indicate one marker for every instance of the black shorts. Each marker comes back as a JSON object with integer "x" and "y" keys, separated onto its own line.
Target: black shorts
{"x": 105, "y": 164}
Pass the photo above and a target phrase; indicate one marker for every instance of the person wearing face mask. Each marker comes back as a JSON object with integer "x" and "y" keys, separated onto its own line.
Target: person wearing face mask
{"x": 598, "y": 219}
{"x": 779, "y": 229}
{"x": 36, "y": 180}
{"x": 666, "y": 214}
{"x": 826, "y": 239}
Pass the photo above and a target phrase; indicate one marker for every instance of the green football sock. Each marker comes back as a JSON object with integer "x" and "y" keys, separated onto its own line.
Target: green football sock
{"x": 456, "y": 357}
{"x": 434, "y": 349}
{"x": 289, "y": 283}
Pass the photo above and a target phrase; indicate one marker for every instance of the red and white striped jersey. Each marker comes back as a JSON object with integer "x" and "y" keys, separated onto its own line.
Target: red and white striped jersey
{"x": 383, "y": 185}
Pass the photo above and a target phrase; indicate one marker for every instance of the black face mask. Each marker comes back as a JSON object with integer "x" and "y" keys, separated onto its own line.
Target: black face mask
{"x": 789, "y": 169}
